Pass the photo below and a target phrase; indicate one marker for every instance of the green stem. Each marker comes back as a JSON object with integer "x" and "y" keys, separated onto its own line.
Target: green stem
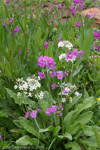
{"x": 55, "y": 120}
{"x": 48, "y": 86}
{"x": 61, "y": 109}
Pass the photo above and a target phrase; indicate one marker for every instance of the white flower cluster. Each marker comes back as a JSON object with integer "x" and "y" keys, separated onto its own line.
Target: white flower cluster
{"x": 68, "y": 89}
{"x": 66, "y": 44}
{"x": 62, "y": 56}
{"x": 29, "y": 87}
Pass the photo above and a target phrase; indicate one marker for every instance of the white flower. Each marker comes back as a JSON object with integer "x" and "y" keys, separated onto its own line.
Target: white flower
{"x": 21, "y": 87}
{"x": 30, "y": 94}
{"x": 25, "y": 86}
{"x": 77, "y": 93}
{"x": 67, "y": 89}
{"x": 15, "y": 86}
{"x": 18, "y": 94}
{"x": 39, "y": 78}
{"x": 38, "y": 84}
{"x": 62, "y": 56}
{"x": 66, "y": 44}
{"x": 70, "y": 99}
{"x": 41, "y": 95}
{"x": 63, "y": 100}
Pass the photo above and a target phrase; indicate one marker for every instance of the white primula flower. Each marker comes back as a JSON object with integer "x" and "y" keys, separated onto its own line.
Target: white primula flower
{"x": 15, "y": 86}
{"x": 66, "y": 44}
{"x": 77, "y": 93}
{"x": 30, "y": 94}
{"x": 25, "y": 86}
{"x": 18, "y": 94}
{"x": 21, "y": 87}
{"x": 38, "y": 84}
{"x": 63, "y": 100}
{"x": 62, "y": 56}
{"x": 41, "y": 95}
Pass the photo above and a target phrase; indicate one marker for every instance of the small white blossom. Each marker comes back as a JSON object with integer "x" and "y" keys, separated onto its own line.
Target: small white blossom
{"x": 18, "y": 94}
{"x": 15, "y": 86}
{"x": 62, "y": 56}
{"x": 77, "y": 93}
{"x": 21, "y": 87}
{"x": 30, "y": 94}
{"x": 66, "y": 44}
{"x": 63, "y": 100}
{"x": 38, "y": 84}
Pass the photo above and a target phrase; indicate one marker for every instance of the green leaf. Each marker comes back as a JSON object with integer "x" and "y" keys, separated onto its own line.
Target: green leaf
{"x": 97, "y": 135}
{"x": 90, "y": 77}
{"x": 26, "y": 140}
{"x": 56, "y": 131}
{"x": 50, "y": 129}
{"x": 84, "y": 118}
{"x": 73, "y": 145}
{"x": 65, "y": 135}
{"x": 14, "y": 96}
{"x": 29, "y": 126}
{"x": 73, "y": 129}
{"x": 77, "y": 70}
{"x": 87, "y": 103}
{"x": 44, "y": 105}
{"x": 87, "y": 130}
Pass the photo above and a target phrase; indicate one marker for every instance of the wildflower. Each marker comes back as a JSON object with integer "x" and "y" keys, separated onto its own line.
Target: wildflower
{"x": 98, "y": 99}
{"x": 60, "y": 6}
{"x": 81, "y": 52}
{"x": 78, "y": 24}
{"x": 41, "y": 95}
{"x": 60, "y": 114}
{"x": 27, "y": 114}
{"x": 46, "y": 44}
{"x": 15, "y": 86}
{"x": 60, "y": 76}
{"x": 33, "y": 114}
{"x": 16, "y": 30}
{"x": 0, "y": 136}
{"x": 53, "y": 109}
{"x": 42, "y": 75}
{"x": 4, "y": 24}
{"x": 62, "y": 56}
{"x": 53, "y": 74}
{"x": 48, "y": 111}
{"x": 70, "y": 99}
{"x": 18, "y": 94}
{"x": 21, "y": 87}
{"x": 86, "y": 83}
{"x": 66, "y": 44}
{"x": 61, "y": 34}
{"x": 53, "y": 86}
{"x": 63, "y": 100}
{"x": 11, "y": 19}
{"x": 29, "y": 94}
{"x": 77, "y": 93}
{"x": 20, "y": 52}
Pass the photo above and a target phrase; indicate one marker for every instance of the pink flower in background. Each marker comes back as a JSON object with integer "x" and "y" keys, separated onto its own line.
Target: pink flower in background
{"x": 0, "y": 136}
{"x": 4, "y": 24}
{"x": 53, "y": 109}
{"x": 60, "y": 6}
{"x": 27, "y": 114}
{"x": 20, "y": 52}
{"x": 78, "y": 24}
{"x": 48, "y": 111}
{"x": 53, "y": 86}
{"x": 46, "y": 44}
{"x": 81, "y": 52}
{"x": 16, "y": 29}
{"x": 53, "y": 74}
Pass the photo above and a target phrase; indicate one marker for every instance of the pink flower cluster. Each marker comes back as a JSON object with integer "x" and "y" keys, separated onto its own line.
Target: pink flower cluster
{"x": 71, "y": 55}
{"x": 96, "y": 35}
{"x": 0, "y": 136}
{"x": 33, "y": 114}
{"x": 54, "y": 109}
{"x": 46, "y": 62}
{"x": 78, "y": 4}
{"x": 59, "y": 74}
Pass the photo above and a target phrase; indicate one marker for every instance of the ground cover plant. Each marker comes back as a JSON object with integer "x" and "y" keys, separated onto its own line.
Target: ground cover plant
{"x": 49, "y": 75}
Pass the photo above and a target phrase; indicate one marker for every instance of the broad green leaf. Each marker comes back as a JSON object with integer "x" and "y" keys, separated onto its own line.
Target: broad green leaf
{"x": 44, "y": 105}
{"x": 90, "y": 77}
{"x": 29, "y": 126}
{"x": 73, "y": 145}
{"x": 77, "y": 70}
{"x": 56, "y": 131}
{"x": 73, "y": 129}
{"x": 26, "y": 140}
{"x": 87, "y": 130}
{"x": 50, "y": 129}
{"x": 65, "y": 135}
{"x": 87, "y": 103}
{"x": 84, "y": 118}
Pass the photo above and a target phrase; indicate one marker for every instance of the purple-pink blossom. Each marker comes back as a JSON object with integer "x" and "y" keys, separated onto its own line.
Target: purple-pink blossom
{"x": 0, "y": 136}
{"x": 60, "y": 76}
{"x": 78, "y": 24}
{"x": 33, "y": 114}
{"x": 53, "y": 74}
{"x": 41, "y": 75}
{"x": 60, "y": 6}
{"x": 20, "y": 52}
{"x": 46, "y": 44}
{"x": 16, "y": 29}
{"x": 27, "y": 114}
{"x": 53, "y": 86}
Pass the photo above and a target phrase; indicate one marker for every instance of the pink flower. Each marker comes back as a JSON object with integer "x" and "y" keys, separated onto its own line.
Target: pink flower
{"x": 78, "y": 24}
{"x": 60, "y": 6}
{"x": 27, "y": 114}
{"x": 16, "y": 30}
{"x": 53, "y": 74}
{"x": 53, "y": 86}
{"x": 0, "y": 136}
{"x": 61, "y": 34}
{"x": 75, "y": 53}
{"x": 11, "y": 19}
{"x": 33, "y": 114}
{"x": 60, "y": 76}
{"x": 53, "y": 109}
{"x": 59, "y": 39}
{"x": 46, "y": 44}
{"x": 41, "y": 75}
{"x": 66, "y": 74}
{"x": 20, "y": 52}
{"x": 81, "y": 52}
{"x": 48, "y": 111}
